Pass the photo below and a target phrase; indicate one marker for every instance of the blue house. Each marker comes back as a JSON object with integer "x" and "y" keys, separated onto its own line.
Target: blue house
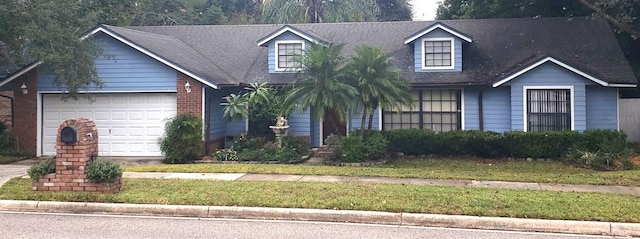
{"x": 496, "y": 75}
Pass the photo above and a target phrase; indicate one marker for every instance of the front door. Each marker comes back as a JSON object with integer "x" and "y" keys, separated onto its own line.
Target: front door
{"x": 332, "y": 125}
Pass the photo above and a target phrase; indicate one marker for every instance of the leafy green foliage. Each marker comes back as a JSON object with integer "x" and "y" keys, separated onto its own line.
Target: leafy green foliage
{"x": 258, "y": 149}
{"x": 103, "y": 171}
{"x": 236, "y": 107}
{"x": 356, "y": 149}
{"x": 41, "y": 169}
{"x": 322, "y": 84}
{"x": 259, "y": 103}
{"x": 317, "y": 11}
{"x": 378, "y": 83}
{"x": 555, "y": 145}
{"x": 182, "y": 140}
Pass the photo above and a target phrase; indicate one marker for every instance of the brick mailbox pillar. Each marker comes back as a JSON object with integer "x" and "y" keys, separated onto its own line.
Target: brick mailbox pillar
{"x": 76, "y": 147}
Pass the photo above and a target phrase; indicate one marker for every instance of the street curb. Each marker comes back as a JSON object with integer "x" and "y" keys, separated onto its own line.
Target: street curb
{"x": 325, "y": 215}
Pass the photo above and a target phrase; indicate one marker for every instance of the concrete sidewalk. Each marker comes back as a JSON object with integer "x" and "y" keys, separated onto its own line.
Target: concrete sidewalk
{"x": 300, "y": 214}
{"x": 411, "y": 181}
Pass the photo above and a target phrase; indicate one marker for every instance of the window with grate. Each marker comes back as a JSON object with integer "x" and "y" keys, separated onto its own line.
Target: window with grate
{"x": 548, "y": 109}
{"x": 435, "y": 109}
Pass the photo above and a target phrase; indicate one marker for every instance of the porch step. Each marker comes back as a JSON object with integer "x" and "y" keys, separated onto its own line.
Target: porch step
{"x": 320, "y": 154}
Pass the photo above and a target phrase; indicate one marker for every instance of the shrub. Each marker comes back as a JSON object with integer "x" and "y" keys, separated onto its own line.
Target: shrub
{"x": 226, "y": 154}
{"x": 355, "y": 148}
{"x": 182, "y": 140}
{"x": 103, "y": 171}
{"x": 39, "y": 170}
{"x": 299, "y": 146}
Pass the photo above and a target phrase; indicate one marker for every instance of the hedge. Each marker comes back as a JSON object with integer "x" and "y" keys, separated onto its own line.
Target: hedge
{"x": 488, "y": 144}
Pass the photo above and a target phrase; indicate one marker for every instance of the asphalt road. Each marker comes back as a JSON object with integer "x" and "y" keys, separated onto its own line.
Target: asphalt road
{"x": 51, "y": 226}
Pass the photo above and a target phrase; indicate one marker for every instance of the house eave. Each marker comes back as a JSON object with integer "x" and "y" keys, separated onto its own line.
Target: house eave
{"x": 20, "y": 73}
{"x": 561, "y": 64}
{"x": 438, "y": 26}
{"x": 284, "y": 29}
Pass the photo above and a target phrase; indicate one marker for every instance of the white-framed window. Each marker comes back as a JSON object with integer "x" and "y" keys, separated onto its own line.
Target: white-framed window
{"x": 548, "y": 108}
{"x": 434, "y": 109}
{"x": 286, "y": 54}
{"x": 438, "y": 53}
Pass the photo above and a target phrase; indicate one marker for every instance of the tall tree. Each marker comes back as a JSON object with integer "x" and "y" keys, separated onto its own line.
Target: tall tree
{"x": 394, "y": 10}
{"x": 474, "y": 9}
{"x": 317, "y": 11}
{"x": 50, "y": 32}
{"x": 379, "y": 84}
{"x": 321, "y": 84}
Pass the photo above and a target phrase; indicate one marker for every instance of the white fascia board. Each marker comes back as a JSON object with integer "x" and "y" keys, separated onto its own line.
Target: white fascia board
{"x": 19, "y": 73}
{"x": 557, "y": 62}
{"x": 287, "y": 29}
{"x": 623, "y": 85}
{"x": 440, "y": 26}
{"x": 151, "y": 54}
{"x": 107, "y": 91}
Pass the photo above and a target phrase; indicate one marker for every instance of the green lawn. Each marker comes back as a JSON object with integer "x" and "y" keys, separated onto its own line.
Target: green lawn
{"x": 442, "y": 168}
{"x": 356, "y": 196}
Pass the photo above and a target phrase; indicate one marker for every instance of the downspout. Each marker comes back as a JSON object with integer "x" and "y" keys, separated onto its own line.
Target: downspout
{"x": 480, "y": 112}
{"x": 11, "y": 101}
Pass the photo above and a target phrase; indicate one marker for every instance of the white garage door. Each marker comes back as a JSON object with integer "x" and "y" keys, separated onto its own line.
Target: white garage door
{"x": 128, "y": 124}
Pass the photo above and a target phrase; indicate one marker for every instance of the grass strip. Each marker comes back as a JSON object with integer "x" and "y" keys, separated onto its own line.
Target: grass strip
{"x": 440, "y": 168}
{"x": 355, "y": 196}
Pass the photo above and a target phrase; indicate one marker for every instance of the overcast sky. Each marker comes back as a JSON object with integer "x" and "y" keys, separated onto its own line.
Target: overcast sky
{"x": 424, "y": 9}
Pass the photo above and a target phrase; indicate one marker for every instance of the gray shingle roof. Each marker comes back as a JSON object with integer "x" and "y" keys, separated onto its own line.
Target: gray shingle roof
{"x": 228, "y": 54}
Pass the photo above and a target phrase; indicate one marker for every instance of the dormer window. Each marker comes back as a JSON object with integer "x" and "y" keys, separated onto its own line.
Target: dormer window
{"x": 438, "y": 53}
{"x": 286, "y": 53}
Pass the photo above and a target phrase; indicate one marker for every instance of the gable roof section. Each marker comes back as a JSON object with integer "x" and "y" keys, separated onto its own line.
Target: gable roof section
{"x": 434, "y": 26}
{"x": 170, "y": 51}
{"x": 287, "y": 28}
{"x": 535, "y": 63}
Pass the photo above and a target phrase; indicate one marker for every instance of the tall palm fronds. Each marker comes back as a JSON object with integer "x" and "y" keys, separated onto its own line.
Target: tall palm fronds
{"x": 317, "y": 11}
{"x": 321, "y": 84}
{"x": 378, "y": 83}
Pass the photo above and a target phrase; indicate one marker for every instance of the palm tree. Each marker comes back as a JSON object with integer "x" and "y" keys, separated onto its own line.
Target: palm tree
{"x": 317, "y": 11}
{"x": 378, "y": 83}
{"x": 321, "y": 84}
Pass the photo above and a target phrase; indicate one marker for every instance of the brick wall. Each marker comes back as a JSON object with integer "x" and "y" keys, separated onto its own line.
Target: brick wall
{"x": 72, "y": 159}
{"x": 5, "y": 108}
{"x": 26, "y": 107}
{"x": 189, "y": 103}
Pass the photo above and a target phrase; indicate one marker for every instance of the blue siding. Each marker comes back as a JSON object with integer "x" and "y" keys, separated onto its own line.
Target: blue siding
{"x": 457, "y": 43}
{"x": 495, "y": 107}
{"x": 300, "y": 123}
{"x": 355, "y": 119}
{"x": 218, "y": 125}
{"x": 123, "y": 69}
{"x": 548, "y": 74}
{"x": 272, "y": 50}
{"x": 602, "y": 108}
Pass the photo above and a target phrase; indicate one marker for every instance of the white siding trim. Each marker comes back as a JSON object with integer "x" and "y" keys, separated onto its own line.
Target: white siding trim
{"x": 379, "y": 118}
{"x": 462, "y": 113}
{"x": 557, "y": 62}
{"x": 438, "y": 26}
{"x": 453, "y": 53}
{"x": 618, "y": 108}
{"x": 39, "y": 108}
{"x": 150, "y": 54}
{"x": 622, "y": 85}
{"x": 276, "y": 68}
{"x": 287, "y": 29}
{"x": 204, "y": 118}
{"x": 524, "y": 102}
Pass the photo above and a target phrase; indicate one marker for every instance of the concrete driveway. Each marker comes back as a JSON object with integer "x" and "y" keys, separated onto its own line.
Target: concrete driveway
{"x": 8, "y": 171}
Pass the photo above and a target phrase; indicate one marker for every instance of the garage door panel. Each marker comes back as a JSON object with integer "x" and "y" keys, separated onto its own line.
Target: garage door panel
{"x": 128, "y": 124}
